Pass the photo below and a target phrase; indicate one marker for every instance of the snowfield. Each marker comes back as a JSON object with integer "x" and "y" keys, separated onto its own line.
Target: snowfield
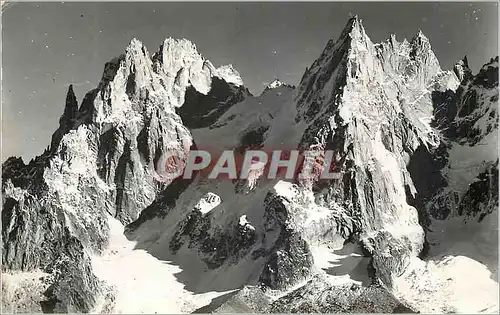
{"x": 143, "y": 283}
{"x": 451, "y": 285}
{"x": 344, "y": 264}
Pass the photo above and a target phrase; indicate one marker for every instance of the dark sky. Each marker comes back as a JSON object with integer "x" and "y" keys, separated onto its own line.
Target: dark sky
{"x": 47, "y": 46}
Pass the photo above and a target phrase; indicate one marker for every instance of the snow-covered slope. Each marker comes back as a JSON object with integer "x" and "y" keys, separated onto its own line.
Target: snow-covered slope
{"x": 143, "y": 283}
{"x": 258, "y": 115}
{"x": 415, "y": 146}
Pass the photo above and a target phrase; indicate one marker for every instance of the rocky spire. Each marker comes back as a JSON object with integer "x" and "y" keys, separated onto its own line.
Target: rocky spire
{"x": 68, "y": 118}
{"x": 353, "y": 31}
{"x": 71, "y": 107}
{"x": 353, "y": 25}
{"x": 461, "y": 69}
{"x": 420, "y": 45}
{"x": 180, "y": 65}
{"x": 350, "y": 56}
{"x": 421, "y": 51}
{"x": 465, "y": 61}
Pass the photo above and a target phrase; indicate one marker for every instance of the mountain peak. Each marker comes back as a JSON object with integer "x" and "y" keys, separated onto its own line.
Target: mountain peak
{"x": 464, "y": 61}
{"x": 134, "y": 44}
{"x": 420, "y": 34}
{"x": 70, "y": 90}
{"x": 420, "y": 40}
{"x": 71, "y": 106}
{"x": 492, "y": 63}
{"x": 276, "y": 83}
{"x": 392, "y": 39}
{"x": 176, "y": 54}
{"x": 461, "y": 69}
{"x": 487, "y": 77}
{"x": 421, "y": 51}
{"x": 355, "y": 60}
{"x": 67, "y": 119}
{"x": 136, "y": 51}
{"x": 354, "y": 21}
{"x": 350, "y": 56}
{"x": 229, "y": 74}
{"x": 353, "y": 27}
{"x": 178, "y": 48}
{"x": 352, "y": 37}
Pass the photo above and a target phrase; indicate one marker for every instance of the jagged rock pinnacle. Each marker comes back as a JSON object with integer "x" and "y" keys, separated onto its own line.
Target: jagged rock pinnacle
{"x": 174, "y": 53}
{"x": 354, "y": 21}
{"x": 465, "y": 61}
{"x": 420, "y": 34}
{"x": 134, "y": 45}
{"x": 420, "y": 41}
{"x": 70, "y": 108}
{"x": 67, "y": 119}
{"x": 392, "y": 39}
{"x": 461, "y": 69}
{"x": 354, "y": 26}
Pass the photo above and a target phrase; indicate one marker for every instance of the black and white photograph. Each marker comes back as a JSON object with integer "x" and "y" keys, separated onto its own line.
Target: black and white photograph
{"x": 249, "y": 157}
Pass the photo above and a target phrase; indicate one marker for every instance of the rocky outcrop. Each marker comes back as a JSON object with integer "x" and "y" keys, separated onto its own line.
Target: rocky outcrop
{"x": 276, "y": 83}
{"x": 289, "y": 259}
{"x": 317, "y": 296}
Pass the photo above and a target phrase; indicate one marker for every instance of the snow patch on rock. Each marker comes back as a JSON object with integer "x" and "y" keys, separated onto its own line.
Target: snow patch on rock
{"x": 207, "y": 203}
{"x": 244, "y": 222}
{"x": 445, "y": 286}
{"x": 276, "y": 83}
{"x": 229, "y": 74}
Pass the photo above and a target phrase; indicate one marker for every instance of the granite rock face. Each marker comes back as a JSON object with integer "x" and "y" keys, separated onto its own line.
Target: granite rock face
{"x": 401, "y": 130}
